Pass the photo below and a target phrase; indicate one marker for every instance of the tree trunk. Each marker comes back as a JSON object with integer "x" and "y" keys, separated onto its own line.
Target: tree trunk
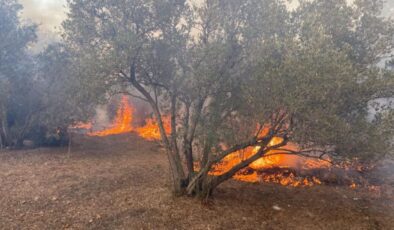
{"x": 202, "y": 185}
{"x": 4, "y": 132}
{"x": 191, "y": 122}
{"x": 177, "y": 173}
{"x": 2, "y": 144}
{"x": 69, "y": 144}
{"x": 187, "y": 151}
{"x": 199, "y": 184}
{"x": 1, "y": 140}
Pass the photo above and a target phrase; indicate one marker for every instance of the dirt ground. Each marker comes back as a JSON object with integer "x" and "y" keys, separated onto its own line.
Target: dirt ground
{"x": 122, "y": 183}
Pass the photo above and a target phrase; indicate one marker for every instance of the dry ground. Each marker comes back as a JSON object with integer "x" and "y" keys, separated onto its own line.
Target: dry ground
{"x": 122, "y": 183}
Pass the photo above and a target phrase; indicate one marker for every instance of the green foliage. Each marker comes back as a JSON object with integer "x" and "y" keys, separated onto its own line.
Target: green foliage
{"x": 38, "y": 96}
{"x": 15, "y": 69}
{"x": 244, "y": 61}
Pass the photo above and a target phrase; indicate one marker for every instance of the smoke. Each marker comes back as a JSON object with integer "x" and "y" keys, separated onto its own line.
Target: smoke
{"x": 101, "y": 119}
{"x": 383, "y": 175}
{"x": 48, "y": 14}
{"x": 105, "y": 114}
{"x": 388, "y": 10}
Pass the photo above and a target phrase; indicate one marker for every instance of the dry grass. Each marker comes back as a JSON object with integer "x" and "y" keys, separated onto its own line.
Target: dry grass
{"x": 122, "y": 183}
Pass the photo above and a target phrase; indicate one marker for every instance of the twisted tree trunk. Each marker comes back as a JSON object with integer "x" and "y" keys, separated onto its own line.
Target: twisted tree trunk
{"x": 201, "y": 183}
{"x": 177, "y": 172}
{"x": 4, "y": 133}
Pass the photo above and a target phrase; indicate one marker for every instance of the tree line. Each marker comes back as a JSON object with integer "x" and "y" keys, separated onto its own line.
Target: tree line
{"x": 39, "y": 98}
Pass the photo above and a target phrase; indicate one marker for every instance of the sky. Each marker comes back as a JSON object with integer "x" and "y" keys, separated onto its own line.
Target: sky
{"x": 50, "y": 13}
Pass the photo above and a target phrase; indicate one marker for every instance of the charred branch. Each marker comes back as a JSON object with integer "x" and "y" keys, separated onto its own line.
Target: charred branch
{"x": 263, "y": 150}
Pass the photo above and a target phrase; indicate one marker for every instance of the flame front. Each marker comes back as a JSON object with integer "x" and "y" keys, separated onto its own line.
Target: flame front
{"x": 273, "y": 167}
{"x": 151, "y": 131}
{"x": 259, "y": 171}
{"x": 122, "y": 123}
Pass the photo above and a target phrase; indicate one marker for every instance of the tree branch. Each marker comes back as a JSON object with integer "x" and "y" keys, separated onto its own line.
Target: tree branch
{"x": 130, "y": 94}
{"x": 219, "y": 179}
{"x": 253, "y": 142}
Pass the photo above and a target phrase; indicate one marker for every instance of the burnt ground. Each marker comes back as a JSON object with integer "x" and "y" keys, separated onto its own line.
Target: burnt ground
{"x": 122, "y": 183}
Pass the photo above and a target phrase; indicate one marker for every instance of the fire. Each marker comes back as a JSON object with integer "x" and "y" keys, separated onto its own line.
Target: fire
{"x": 122, "y": 123}
{"x": 151, "y": 131}
{"x": 81, "y": 125}
{"x": 353, "y": 185}
{"x": 274, "y": 167}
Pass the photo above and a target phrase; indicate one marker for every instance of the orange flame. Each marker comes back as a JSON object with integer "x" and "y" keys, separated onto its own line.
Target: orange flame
{"x": 122, "y": 123}
{"x": 273, "y": 159}
{"x": 257, "y": 171}
{"x": 151, "y": 129}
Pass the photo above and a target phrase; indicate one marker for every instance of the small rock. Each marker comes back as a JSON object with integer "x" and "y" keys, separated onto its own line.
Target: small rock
{"x": 54, "y": 198}
{"x": 36, "y": 198}
{"x": 28, "y": 143}
{"x": 276, "y": 208}
{"x": 91, "y": 221}
{"x": 309, "y": 214}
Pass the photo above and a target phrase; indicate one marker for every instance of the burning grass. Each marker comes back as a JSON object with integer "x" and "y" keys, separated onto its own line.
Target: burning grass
{"x": 274, "y": 167}
{"x": 150, "y": 131}
{"x": 123, "y": 123}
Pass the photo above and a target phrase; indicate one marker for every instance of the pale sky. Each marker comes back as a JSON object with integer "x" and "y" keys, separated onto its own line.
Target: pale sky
{"x": 50, "y": 13}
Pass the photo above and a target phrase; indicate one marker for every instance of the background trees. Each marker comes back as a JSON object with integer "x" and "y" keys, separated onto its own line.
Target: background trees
{"x": 15, "y": 65}
{"x": 38, "y": 97}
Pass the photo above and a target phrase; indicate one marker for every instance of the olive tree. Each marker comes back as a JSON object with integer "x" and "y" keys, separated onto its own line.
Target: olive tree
{"x": 237, "y": 74}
